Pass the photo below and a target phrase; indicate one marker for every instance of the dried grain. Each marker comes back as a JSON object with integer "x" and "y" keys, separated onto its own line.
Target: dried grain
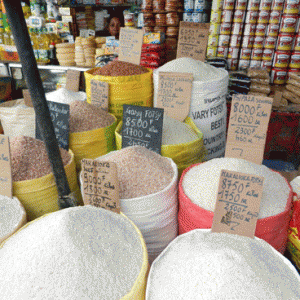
{"x": 85, "y": 117}
{"x": 141, "y": 172}
{"x": 29, "y": 158}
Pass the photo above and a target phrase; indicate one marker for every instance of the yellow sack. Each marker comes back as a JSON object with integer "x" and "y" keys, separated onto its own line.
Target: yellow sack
{"x": 139, "y": 287}
{"x": 93, "y": 143}
{"x": 183, "y": 155}
{"x": 39, "y": 196}
{"x": 131, "y": 90}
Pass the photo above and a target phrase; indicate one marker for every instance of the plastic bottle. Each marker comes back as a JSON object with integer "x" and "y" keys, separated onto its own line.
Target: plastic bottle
{"x": 34, "y": 43}
{"x": 43, "y": 47}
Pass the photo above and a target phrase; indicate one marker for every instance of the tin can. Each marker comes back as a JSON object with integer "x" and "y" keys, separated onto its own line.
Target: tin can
{"x": 213, "y": 40}
{"x": 260, "y": 29}
{"x": 288, "y": 23}
{"x": 272, "y": 30}
{"x": 265, "y": 5}
{"x": 247, "y": 41}
{"x": 239, "y": 16}
{"x": 245, "y": 53}
{"x": 217, "y": 5}
{"x": 281, "y": 59}
{"x": 296, "y": 43}
{"x": 268, "y": 54}
{"x": 222, "y": 52}
{"x": 250, "y": 29}
{"x": 292, "y": 71}
{"x": 223, "y": 40}
{"x": 235, "y": 40}
{"x": 265, "y": 64}
{"x": 253, "y": 5}
{"x": 278, "y": 75}
{"x": 275, "y": 16}
{"x": 263, "y": 17}
{"x": 255, "y": 63}
{"x": 295, "y": 60}
{"x": 256, "y": 54}
{"x": 243, "y": 64}
{"x": 214, "y": 29}
{"x": 237, "y": 28}
{"x": 197, "y": 17}
{"x": 270, "y": 42}
{"x": 211, "y": 52}
{"x": 291, "y": 7}
{"x": 228, "y": 4}
{"x": 215, "y": 16}
{"x": 225, "y": 28}
{"x": 251, "y": 17}
{"x": 284, "y": 42}
{"x": 232, "y": 64}
{"x": 278, "y": 5}
{"x": 233, "y": 52}
{"x": 227, "y": 16}
{"x": 258, "y": 42}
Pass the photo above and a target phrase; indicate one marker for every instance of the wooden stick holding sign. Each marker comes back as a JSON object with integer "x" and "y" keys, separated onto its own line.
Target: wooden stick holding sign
{"x": 5, "y": 167}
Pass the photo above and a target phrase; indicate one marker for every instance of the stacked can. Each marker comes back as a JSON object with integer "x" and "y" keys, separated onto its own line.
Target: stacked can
{"x": 214, "y": 30}
{"x": 247, "y": 57}
{"x": 196, "y": 11}
{"x": 286, "y": 56}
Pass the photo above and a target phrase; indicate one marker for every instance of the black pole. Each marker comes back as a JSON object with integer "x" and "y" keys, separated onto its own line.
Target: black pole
{"x": 32, "y": 76}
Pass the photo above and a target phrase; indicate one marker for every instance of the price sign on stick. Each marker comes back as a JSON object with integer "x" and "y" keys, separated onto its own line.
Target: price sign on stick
{"x": 248, "y": 124}
{"x": 73, "y": 80}
{"x": 99, "y": 94}
{"x": 174, "y": 94}
{"x": 192, "y": 40}
{"x": 130, "y": 46}
{"x": 100, "y": 185}
{"x": 5, "y": 167}
{"x": 238, "y": 202}
{"x": 142, "y": 126}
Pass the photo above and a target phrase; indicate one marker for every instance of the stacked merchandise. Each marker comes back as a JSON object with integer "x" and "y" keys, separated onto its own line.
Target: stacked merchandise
{"x": 196, "y": 11}
{"x": 153, "y": 55}
{"x": 85, "y": 51}
{"x": 65, "y": 54}
{"x": 100, "y": 19}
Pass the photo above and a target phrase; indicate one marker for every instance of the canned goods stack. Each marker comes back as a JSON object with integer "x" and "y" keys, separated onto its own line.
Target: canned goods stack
{"x": 196, "y": 11}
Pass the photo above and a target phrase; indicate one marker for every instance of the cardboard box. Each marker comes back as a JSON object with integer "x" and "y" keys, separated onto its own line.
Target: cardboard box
{"x": 154, "y": 38}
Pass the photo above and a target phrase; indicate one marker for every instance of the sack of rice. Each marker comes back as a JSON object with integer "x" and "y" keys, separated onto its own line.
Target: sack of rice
{"x": 73, "y": 254}
{"x": 128, "y": 84}
{"x": 198, "y": 188}
{"x": 214, "y": 266}
{"x": 148, "y": 194}
{"x": 208, "y": 101}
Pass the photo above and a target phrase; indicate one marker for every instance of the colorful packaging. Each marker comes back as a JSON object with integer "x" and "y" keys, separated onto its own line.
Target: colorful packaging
{"x": 250, "y": 29}
{"x": 237, "y": 28}
{"x": 258, "y": 42}
{"x": 295, "y": 60}
{"x": 239, "y": 16}
{"x": 213, "y": 40}
{"x": 291, "y": 7}
{"x": 223, "y": 40}
{"x": 222, "y": 52}
{"x": 233, "y": 52}
{"x": 247, "y": 41}
{"x": 270, "y": 42}
{"x": 235, "y": 40}
{"x": 260, "y": 30}
{"x": 211, "y": 51}
{"x": 278, "y": 5}
{"x": 268, "y": 54}
{"x": 265, "y": 5}
{"x": 278, "y": 75}
{"x": 225, "y": 28}
{"x": 241, "y": 4}
{"x": 272, "y": 30}
{"x": 244, "y": 64}
{"x": 214, "y": 29}
{"x": 255, "y": 63}
{"x": 288, "y": 23}
{"x": 253, "y": 5}
{"x": 228, "y": 4}
{"x": 251, "y": 17}
{"x": 245, "y": 53}
{"x": 296, "y": 43}
{"x": 232, "y": 64}
{"x": 284, "y": 41}
{"x": 263, "y": 17}
{"x": 266, "y": 64}
{"x": 256, "y": 54}
{"x": 275, "y": 17}
{"x": 281, "y": 59}
{"x": 227, "y": 16}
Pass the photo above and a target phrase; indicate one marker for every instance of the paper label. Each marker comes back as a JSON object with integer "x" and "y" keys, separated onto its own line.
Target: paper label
{"x": 142, "y": 126}
{"x": 100, "y": 185}
{"x": 174, "y": 94}
{"x": 192, "y": 40}
{"x": 248, "y": 124}
{"x": 60, "y": 115}
{"x": 130, "y": 47}
{"x": 99, "y": 94}
{"x": 27, "y": 98}
{"x": 277, "y": 98}
{"x": 238, "y": 202}
{"x": 5, "y": 167}
{"x": 73, "y": 80}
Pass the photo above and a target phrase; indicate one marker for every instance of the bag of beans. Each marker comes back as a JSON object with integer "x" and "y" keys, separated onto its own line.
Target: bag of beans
{"x": 33, "y": 181}
{"x": 73, "y": 254}
{"x": 92, "y": 131}
{"x": 182, "y": 142}
{"x": 198, "y": 188}
{"x": 128, "y": 84}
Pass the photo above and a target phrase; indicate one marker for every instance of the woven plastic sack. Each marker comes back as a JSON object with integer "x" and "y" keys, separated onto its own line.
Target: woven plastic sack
{"x": 93, "y": 143}
{"x": 39, "y": 196}
{"x": 132, "y": 90}
{"x": 274, "y": 229}
{"x": 139, "y": 288}
{"x": 183, "y": 155}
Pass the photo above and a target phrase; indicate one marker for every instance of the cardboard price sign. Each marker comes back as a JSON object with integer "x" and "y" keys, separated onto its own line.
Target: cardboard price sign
{"x": 192, "y": 40}
{"x": 142, "y": 126}
{"x": 99, "y": 94}
{"x": 238, "y": 203}
{"x": 73, "y": 80}
{"x": 130, "y": 48}
{"x": 248, "y": 124}
{"x": 5, "y": 167}
{"x": 100, "y": 185}
{"x": 60, "y": 115}
{"x": 27, "y": 98}
{"x": 174, "y": 94}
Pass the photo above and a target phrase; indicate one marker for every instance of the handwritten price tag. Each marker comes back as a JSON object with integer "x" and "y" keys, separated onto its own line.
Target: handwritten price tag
{"x": 5, "y": 167}
{"x": 100, "y": 185}
{"x": 238, "y": 203}
{"x": 174, "y": 94}
{"x": 99, "y": 94}
{"x": 192, "y": 40}
{"x": 73, "y": 80}
{"x": 248, "y": 124}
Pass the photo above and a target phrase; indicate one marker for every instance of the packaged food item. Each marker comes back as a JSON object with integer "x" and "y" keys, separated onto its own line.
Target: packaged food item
{"x": 278, "y": 75}
{"x": 250, "y": 29}
{"x": 232, "y": 64}
{"x": 265, "y": 5}
{"x": 227, "y": 16}
{"x": 256, "y": 54}
{"x": 291, "y": 7}
{"x": 258, "y": 73}
{"x": 272, "y": 30}
{"x": 296, "y": 43}
{"x": 255, "y": 63}
{"x": 239, "y": 16}
{"x": 160, "y": 19}
{"x": 228, "y": 4}
{"x": 217, "y": 5}
{"x": 244, "y": 64}
{"x": 214, "y": 29}
{"x": 263, "y": 17}
{"x": 295, "y": 60}
{"x": 188, "y": 17}
{"x": 284, "y": 41}
{"x": 213, "y": 40}
{"x": 275, "y": 17}
{"x": 268, "y": 54}
{"x": 258, "y": 42}
{"x": 260, "y": 81}
{"x": 235, "y": 40}
{"x": 225, "y": 28}
{"x": 251, "y": 17}
{"x": 278, "y": 5}
{"x": 222, "y": 52}
{"x": 260, "y": 88}
{"x": 266, "y": 64}
{"x": 288, "y": 23}
{"x": 211, "y": 51}
{"x": 253, "y": 5}
{"x": 281, "y": 59}
{"x": 293, "y": 82}
{"x": 291, "y": 95}
{"x": 199, "y": 5}
{"x": 224, "y": 40}
{"x": 233, "y": 52}
{"x": 261, "y": 29}
{"x": 270, "y": 42}
{"x": 245, "y": 53}
{"x": 241, "y": 4}
{"x": 247, "y": 41}
{"x": 294, "y": 74}
{"x": 172, "y": 19}
{"x": 215, "y": 17}
{"x": 237, "y": 28}
{"x": 172, "y": 5}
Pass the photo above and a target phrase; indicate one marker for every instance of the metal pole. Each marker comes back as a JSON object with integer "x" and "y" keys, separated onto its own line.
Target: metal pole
{"x": 32, "y": 76}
